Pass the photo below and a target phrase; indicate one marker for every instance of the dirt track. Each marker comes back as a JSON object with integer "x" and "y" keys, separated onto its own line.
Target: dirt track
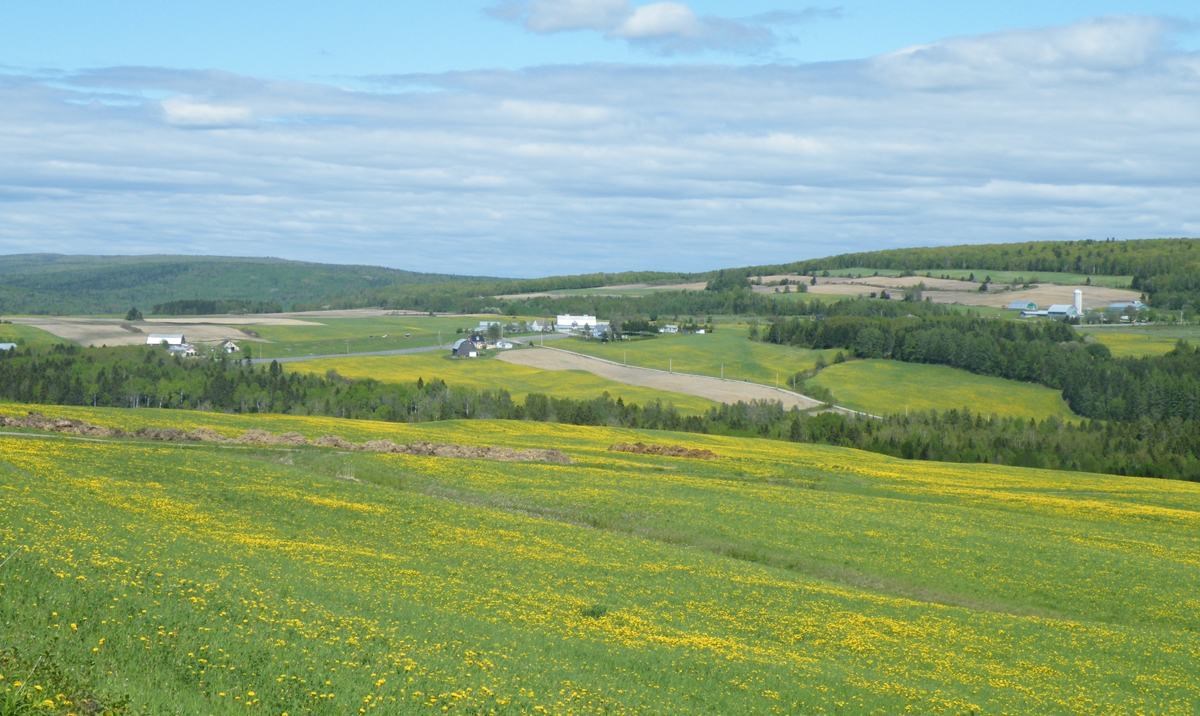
{"x": 722, "y": 391}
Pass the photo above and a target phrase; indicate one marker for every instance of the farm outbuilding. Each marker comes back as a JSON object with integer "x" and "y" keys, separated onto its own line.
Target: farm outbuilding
{"x": 464, "y": 348}
{"x": 1022, "y": 306}
{"x": 171, "y": 339}
{"x": 573, "y": 323}
{"x": 7, "y": 346}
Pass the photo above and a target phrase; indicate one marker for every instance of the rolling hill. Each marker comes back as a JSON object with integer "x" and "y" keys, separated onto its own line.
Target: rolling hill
{"x": 273, "y": 575}
{"x": 54, "y": 283}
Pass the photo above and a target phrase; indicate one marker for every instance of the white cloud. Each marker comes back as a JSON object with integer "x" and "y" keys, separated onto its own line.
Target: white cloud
{"x": 1026, "y": 135}
{"x": 186, "y": 112}
{"x": 665, "y": 27}
{"x": 660, "y": 19}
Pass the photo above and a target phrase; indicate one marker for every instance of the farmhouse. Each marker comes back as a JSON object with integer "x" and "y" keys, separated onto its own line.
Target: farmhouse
{"x": 464, "y": 348}
{"x": 230, "y": 347}
{"x": 574, "y": 324}
{"x": 171, "y": 339}
{"x": 669, "y": 328}
{"x": 185, "y": 350}
{"x": 7, "y": 346}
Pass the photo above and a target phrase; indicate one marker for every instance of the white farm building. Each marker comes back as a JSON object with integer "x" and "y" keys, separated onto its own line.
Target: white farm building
{"x": 574, "y": 324}
{"x": 171, "y": 339}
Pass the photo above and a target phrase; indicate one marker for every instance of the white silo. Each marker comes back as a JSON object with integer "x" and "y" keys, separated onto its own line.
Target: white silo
{"x": 1079, "y": 301}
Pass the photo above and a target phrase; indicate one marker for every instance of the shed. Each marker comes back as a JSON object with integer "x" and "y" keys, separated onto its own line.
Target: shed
{"x": 464, "y": 348}
{"x": 8, "y": 346}
{"x": 171, "y": 339}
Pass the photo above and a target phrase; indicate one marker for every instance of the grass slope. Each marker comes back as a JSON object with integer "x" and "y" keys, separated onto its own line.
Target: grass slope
{"x": 52, "y": 283}
{"x": 885, "y": 386}
{"x": 491, "y": 374}
{"x": 1064, "y": 278}
{"x": 742, "y": 359}
{"x": 197, "y": 579}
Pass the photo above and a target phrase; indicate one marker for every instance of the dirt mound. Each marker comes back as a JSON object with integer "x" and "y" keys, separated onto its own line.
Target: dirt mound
{"x": 640, "y": 448}
{"x": 262, "y": 437}
{"x": 37, "y": 421}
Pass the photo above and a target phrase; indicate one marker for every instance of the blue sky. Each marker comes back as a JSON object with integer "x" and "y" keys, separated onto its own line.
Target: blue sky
{"x": 526, "y": 137}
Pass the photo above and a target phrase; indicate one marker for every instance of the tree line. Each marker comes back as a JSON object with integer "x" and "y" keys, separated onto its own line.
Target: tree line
{"x": 1093, "y": 382}
{"x": 140, "y": 377}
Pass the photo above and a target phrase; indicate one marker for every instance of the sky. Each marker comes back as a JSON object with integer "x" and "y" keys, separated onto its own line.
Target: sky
{"x": 535, "y": 137}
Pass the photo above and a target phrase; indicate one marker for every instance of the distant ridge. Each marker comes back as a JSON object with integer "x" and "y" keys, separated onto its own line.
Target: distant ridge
{"x": 64, "y": 284}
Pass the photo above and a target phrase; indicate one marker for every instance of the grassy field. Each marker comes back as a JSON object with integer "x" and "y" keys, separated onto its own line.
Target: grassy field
{"x": 491, "y": 374}
{"x": 1058, "y": 277}
{"x": 1138, "y": 341}
{"x": 200, "y": 579}
{"x": 357, "y": 335}
{"x": 886, "y": 386}
{"x": 26, "y": 336}
{"x": 742, "y": 358}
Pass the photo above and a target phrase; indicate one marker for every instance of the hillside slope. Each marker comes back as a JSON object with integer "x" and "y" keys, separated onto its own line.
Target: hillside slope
{"x": 769, "y": 578}
{"x": 53, "y": 283}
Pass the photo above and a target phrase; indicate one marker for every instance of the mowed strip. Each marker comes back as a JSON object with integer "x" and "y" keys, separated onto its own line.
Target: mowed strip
{"x": 721, "y": 391}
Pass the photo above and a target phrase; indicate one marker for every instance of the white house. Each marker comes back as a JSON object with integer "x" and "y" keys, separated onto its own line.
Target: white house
{"x": 230, "y": 347}
{"x": 186, "y": 350}
{"x": 536, "y": 326}
{"x": 485, "y": 325}
{"x": 171, "y": 339}
{"x": 669, "y": 328}
{"x": 572, "y": 323}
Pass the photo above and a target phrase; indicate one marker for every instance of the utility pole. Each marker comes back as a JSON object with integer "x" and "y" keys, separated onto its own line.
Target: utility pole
{"x": 625, "y": 357}
{"x": 670, "y": 365}
{"x": 722, "y": 371}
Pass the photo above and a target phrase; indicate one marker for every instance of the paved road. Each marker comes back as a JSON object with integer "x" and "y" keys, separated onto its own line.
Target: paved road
{"x": 400, "y": 351}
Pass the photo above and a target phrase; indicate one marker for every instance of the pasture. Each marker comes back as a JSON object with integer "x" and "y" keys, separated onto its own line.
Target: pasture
{"x": 885, "y": 386}
{"x": 491, "y": 374}
{"x": 26, "y": 336}
{"x": 1140, "y": 341}
{"x": 727, "y": 348}
{"x": 335, "y": 335}
{"x": 775, "y": 578}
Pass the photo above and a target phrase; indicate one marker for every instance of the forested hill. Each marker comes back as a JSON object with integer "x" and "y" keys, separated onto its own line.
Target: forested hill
{"x": 1167, "y": 270}
{"x": 53, "y": 283}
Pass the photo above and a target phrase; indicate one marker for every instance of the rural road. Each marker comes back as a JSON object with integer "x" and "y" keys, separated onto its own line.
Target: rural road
{"x": 717, "y": 389}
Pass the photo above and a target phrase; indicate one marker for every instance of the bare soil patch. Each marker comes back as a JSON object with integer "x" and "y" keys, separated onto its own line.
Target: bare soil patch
{"x": 716, "y": 389}
{"x": 640, "y": 448}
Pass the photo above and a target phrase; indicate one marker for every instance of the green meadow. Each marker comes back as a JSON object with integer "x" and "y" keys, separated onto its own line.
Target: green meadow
{"x": 26, "y": 336}
{"x": 1139, "y": 341}
{"x": 490, "y": 374}
{"x": 357, "y": 335}
{"x": 727, "y": 349}
{"x": 154, "y": 578}
{"x": 885, "y": 386}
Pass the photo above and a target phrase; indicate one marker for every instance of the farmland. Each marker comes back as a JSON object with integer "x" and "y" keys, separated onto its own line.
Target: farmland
{"x": 886, "y": 386}
{"x": 999, "y": 277}
{"x": 725, "y": 353}
{"x": 1138, "y": 341}
{"x": 360, "y": 334}
{"x": 492, "y": 374}
{"x": 200, "y": 578}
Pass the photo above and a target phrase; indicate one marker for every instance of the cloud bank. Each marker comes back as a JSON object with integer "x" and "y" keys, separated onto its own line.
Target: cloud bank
{"x": 665, "y": 27}
{"x": 1084, "y": 131}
